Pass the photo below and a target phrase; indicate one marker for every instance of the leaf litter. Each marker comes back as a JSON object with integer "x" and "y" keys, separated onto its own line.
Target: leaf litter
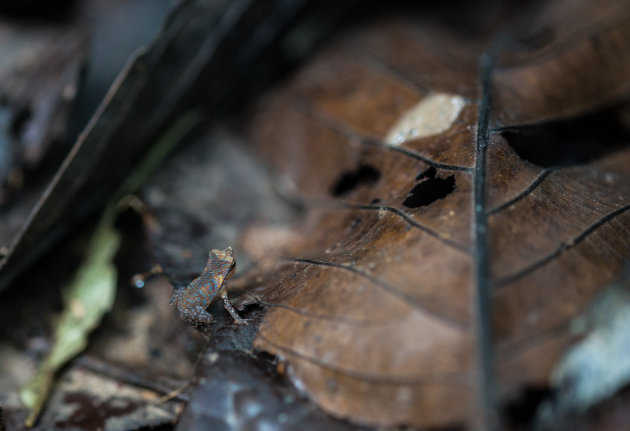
{"x": 368, "y": 300}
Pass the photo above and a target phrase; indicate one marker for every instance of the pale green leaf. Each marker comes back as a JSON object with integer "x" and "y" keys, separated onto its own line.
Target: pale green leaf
{"x": 87, "y": 298}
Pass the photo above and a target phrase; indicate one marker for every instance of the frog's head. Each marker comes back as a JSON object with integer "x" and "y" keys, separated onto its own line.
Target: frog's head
{"x": 221, "y": 262}
{"x": 226, "y": 256}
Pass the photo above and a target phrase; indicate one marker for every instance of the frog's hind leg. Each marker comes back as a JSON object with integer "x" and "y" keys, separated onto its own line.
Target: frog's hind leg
{"x": 196, "y": 316}
{"x": 226, "y": 303}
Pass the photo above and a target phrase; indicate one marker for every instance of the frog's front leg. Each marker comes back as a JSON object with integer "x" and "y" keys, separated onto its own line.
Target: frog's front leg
{"x": 226, "y": 304}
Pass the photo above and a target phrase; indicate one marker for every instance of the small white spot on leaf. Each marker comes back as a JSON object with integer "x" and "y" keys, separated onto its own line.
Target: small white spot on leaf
{"x": 434, "y": 114}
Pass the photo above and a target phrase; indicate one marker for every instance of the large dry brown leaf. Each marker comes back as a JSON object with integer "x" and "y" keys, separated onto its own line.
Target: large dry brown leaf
{"x": 375, "y": 305}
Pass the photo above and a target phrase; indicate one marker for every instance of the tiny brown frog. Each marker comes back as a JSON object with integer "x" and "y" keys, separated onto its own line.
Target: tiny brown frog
{"x": 193, "y": 300}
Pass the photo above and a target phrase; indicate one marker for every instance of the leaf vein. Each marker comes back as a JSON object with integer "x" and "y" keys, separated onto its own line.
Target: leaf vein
{"x": 445, "y": 378}
{"x": 525, "y": 192}
{"x": 332, "y": 317}
{"x": 412, "y": 222}
{"x": 561, "y": 248}
{"x": 312, "y": 111}
{"x": 386, "y": 287}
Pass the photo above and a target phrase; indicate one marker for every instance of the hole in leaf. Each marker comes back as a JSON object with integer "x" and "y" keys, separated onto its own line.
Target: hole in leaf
{"x": 428, "y": 191}
{"x": 429, "y": 173}
{"x": 521, "y": 410}
{"x": 348, "y": 181}
{"x": 571, "y": 142}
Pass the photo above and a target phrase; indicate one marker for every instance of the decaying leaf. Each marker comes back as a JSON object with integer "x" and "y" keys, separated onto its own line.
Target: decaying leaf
{"x": 87, "y": 298}
{"x": 87, "y": 401}
{"x": 375, "y": 303}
